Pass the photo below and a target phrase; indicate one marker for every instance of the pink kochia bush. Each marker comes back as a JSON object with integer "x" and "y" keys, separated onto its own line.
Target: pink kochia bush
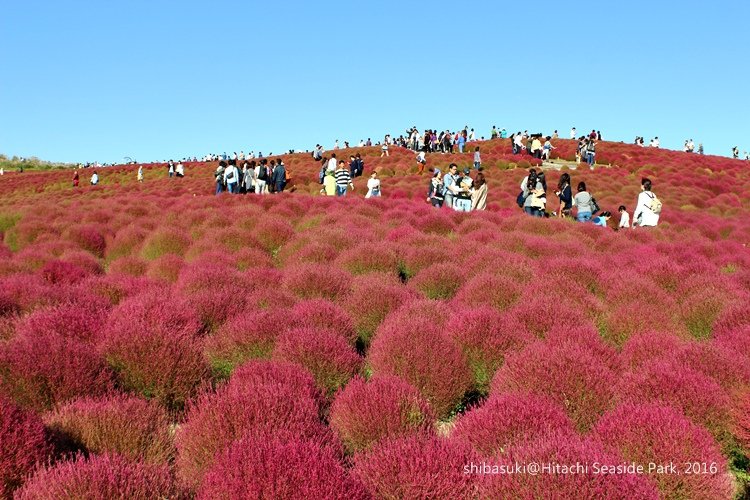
{"x": 489, "y": 289}
{"x": 264, "y": 467}
{"x": 565, "y": 450}
{"x": 417, "y": 467}
{"x": 385, "y": 407}
{"x": 327, "y": 355}
{"x": 45, "y": 370}
{"x": 566, "y": 373}
{"x": 100, "y": 476}
{"x": 152, "y": 343}
{"x": 23, "y": 445}
{"x": 412, "y": 346}
{"x": 698, "y": 396}
{"x": 485, "y": 336}
{"x": 248, "y": 335}
{"x": 128, "y": 425}
{"x": 510, "y": 420}
{"x": 650, "y": 433}
{"x": 214, "y": 420}
{"x": 69, "y": 321}
{"x": 284, "y": 373}
{"x": 309, "y": 281}
{"x": 322, "y": 313}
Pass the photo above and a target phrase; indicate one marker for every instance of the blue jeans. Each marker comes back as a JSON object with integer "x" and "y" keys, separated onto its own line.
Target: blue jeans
{"x": 448, "y": 200}
{"x": 533, "y": 211}
{"x": 219, "y": 188}
{"x": 590, "y": 158}
{"x": 232, "y": 187}
{"x": 341, "y": 190}
{"x": 280, "y": 186}
{"x": 583, "y": 216}
{"x": 460, "y": 148}
{"x": 477, "y": 165}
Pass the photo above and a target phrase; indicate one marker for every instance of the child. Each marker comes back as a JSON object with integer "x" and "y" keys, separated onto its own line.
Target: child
{"x": 421, "y": 162}
{"x": 601, "y": 219}
{"x": 477, "y": 159}
{"x": 624, "y": 217}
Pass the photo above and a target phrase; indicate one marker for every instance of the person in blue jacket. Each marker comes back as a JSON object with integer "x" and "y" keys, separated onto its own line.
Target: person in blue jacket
{"x": 279, "y": 176}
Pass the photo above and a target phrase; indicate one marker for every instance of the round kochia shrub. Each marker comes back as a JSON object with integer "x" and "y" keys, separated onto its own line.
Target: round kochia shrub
{"x": 650, "y": 433}
{"x": 45, "y": 370}
{"x": 152, "y": 343}
{"x": 105, "y": 476}
{"x": 127, "y": 425}
{"x": 165, "y": 241}
{"x": 322, "y": 313}
{"x": 373, "y": 297}
{"x": 414, "y": 348}
{"x": 439, "y": 281}
{"x": 485, "y": 336}
{"x": 417, "y": 467}
{"x": 264, "y": 467}
{"x": 566, "y": 373}
{"x": 565, "y": 450}
{"x": 249, "y": 335}
{"x": 491, "y": 290}
{"x": 214, "y": 420}
{"x": 23, "y": 445}
{"x": 69, "y": 321}
{"x": 385, "y": 407}
{"x": 281, "y": 373}
{"x": 698, "y": 396}
{"x": 327, "y": 355}
{"x": 510, "y": 420}
{"x": 309, "y": 281}
{"x": 88, "y": 237}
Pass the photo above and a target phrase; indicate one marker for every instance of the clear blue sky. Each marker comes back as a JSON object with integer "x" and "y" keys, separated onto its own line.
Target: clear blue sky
{"x": 86, "y": 81}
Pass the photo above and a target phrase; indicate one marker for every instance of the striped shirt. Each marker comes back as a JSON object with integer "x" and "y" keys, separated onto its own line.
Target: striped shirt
{"x": 342, "y": 177}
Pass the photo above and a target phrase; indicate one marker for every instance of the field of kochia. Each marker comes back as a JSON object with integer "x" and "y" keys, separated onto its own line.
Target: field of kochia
{"x": 158, "y": 341}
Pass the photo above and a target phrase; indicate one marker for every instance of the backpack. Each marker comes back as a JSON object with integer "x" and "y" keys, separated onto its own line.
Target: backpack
{"x": 262, "y": 173}
{"x": 655, "y": 205}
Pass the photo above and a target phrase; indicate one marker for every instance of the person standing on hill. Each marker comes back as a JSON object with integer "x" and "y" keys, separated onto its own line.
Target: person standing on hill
{"x": 461, "y": 142}
{"x": 170, "y": 168}
{"x": 477, "y": 159}
{"x": 231, "y": 177}
{"x": 435, "y": 191}
{"x": 421, "y": 162}
{"x": 547, "y": 149}
{"x": 573, "y": 133}
{"x": 343, "y": 179}
{"x": 536, "y": 148}
{"x": 332, "y": 162}
{"x": 373, "y": 186}
{"x": 279, "y": 177}
{"x": 219, "y": 176}
{"x": 329, "y": 183}
{"x": 479, "y": 193}
{"x": 493, "y": 133}
{"x": 450, "y": 185}
{"x": 624, "y": 217}
{"x": 261, "y": 177}
{"x": 180, "y": 170}
{"x": 76, "y": 178}
{"x": 94, "y": 178}
{"x": 591, "y": 153}
{"x": 647, "y": 208}
{"x": 140, "y": 173}
{"x": 582, "y": 201}
{"x": 565, "y": 195}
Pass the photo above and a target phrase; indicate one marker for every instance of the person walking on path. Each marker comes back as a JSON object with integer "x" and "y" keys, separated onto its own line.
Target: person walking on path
{"x": 76, "y": 178}
{"x": 279, "y": 177}
{"x": 343, "y": 179}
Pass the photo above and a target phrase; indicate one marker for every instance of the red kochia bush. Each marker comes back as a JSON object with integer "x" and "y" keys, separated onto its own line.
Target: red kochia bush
{"x": 250, "y": 334}
{"x": 89, "y": 238}
{"x": 317, "y": 281}
{"x": 417, "y": 467}
{"x": 567, "y": 373}
{"x": 649, "y": 433}
{"x": 23, "y": 445}
{"x": 368, "y": 258}
{"x": 510, "y": 420}
{"x": 264, "y": 467}
{"x": 385, "y": 407}
{"x": 643, "y": 348}
{"x": 372, "y": 298}
{"x": 69, "y": 321}
{"x": 485, "y": 336}
{"x": 268, "y": 372}
{"x": 698, "y": 396}
{"x": 489, "y": 289}
{"x": 47, "y": 369}
{"x": 439, "y": 281}
{"x": 100, "y": 477}
{"x": 58, "y": 271}
{"x": 322, "y": 313}
{"x": 742, "y": 421}
{"x": 414, "y": 348}
{"x": 128, "y": 425}
{"x": 565, "y": 450}
{"x": 327, "y": 355}
{"x": 215, "y": 420}
{"x": 153, "y": 345}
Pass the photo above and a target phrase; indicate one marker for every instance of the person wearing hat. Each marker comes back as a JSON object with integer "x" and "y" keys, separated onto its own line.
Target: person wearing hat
{"x": 329, "y": 182}
{"x": 435, "y": 191}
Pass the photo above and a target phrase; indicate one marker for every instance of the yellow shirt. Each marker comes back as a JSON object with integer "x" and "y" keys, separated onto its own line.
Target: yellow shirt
{"x": 329, "y": 185}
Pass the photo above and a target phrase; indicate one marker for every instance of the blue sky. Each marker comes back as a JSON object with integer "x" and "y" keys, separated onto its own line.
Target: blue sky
{"x": 152, "y": 80}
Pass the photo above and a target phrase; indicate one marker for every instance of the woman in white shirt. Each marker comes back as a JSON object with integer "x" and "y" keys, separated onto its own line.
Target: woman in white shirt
{"x": 644, "y": 214}
{"x": 373, "y": 186}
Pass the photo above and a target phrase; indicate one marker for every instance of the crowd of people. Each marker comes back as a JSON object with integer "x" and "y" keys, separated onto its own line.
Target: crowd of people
{"x": 259, "y": 177}
{"x": 533, "y": 200}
